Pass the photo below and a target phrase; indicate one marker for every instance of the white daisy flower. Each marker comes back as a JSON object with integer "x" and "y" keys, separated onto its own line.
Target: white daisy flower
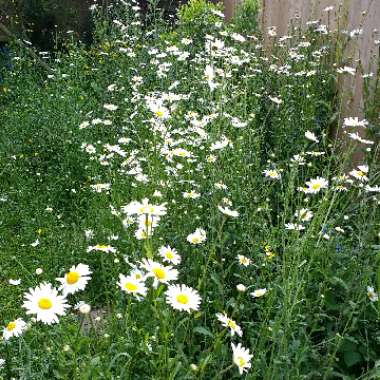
{"x": 230, "y": 323}
{"x": 14, "y": 328}
{"x": 191, "y": 195}
{"x": 14, "y": 282}
{"x": 372, "y": 189}
{"x": 315, "y": 185}
{"x": 35, "y": 243}
{"x": 244, "y": 260}
{"x": 372, "y": 295}
{"x": 311, "y": 136}
{"x": 354, "y": 122}
{"x": 100, "y": 187}
{"x": 346, "y": 70}
{"x": 75, "y": 280}
{"x": 272, "y": 174}
{"x": 82, "y": 307}
{"x": 360, "y": 173}
{"x": 276, "y": 100}
{"x": 169, "y": 255}
{"x": 46, "y": 303}
{"x": 259, "y": 293}
{"x": 159, "y": 110}
{"x": 227, "y": 211}
{"x": 294, "y": 227}
{"x": 238, "y": 37}
{"x": 160, "y": 273}
{"x": 304, "y": 215}
{"x": 222, "y": 143}
{"x": 101, "y": 248}
{"x": 209, "y": 76}
{"x": 197, "y": 237}
{"x": 182, "y": 297}
{"x": 110, "y": 107}
{"x": 131, "y": 285}
{"x": 144, "y": 207}
{"x": 241, "y": 357}
{"x": 180, "y": 152}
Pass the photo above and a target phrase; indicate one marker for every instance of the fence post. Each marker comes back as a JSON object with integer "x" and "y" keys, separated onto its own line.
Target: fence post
{"x": 229, "y": 7}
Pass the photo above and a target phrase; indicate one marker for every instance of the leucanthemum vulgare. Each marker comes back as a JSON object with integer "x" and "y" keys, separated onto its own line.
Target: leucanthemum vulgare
{"x": 315, "y": 185}
{"x": 131, "y": 285}
{"x": 14, "y": 328}
{"x": 258, "y": 293}
{"x": 160, "y": 273}
{"x": 46, "y": 303}
{"x": 75, "y": 280}
{"x": 197, "y": 237}
{"x": 229, "y": 323}
{"x": 183, "y": 298}
{"x": 102, "y": 248}
{"x": 227, "y": 211}
{"x": 241, "y": 357}
{"x": 169, "y": 255}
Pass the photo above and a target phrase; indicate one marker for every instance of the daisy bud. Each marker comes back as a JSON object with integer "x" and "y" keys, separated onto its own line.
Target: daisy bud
{"x": 39, "y": 271}
{"x": 194, "y": 367}
{"x": 84, "y": 308}
{"x": 241, "y": 288}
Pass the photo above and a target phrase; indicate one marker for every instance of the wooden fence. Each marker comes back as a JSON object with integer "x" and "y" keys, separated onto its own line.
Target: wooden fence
{"x": 354, "y": 16}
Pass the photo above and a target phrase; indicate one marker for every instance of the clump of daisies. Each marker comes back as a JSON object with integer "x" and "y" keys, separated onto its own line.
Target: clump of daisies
{"x": 146, "y": 215}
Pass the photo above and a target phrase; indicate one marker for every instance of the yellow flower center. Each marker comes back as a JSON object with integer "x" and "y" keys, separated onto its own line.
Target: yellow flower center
{"x": 159, "y": 273}
{"x": 315, "y": 186}
{"x": 231, "y": 324}
{"x": 11, "y": 326}
{"x": 169, "y": 255}
{"x": 182, "y": 298}
{"x": 72, "y": 278}
{"x": 45, "y": 303}
{"x": 360, "y": 173}
{"x": 240, "y": 361}
{"x": 141, "y": 210}
{"x": 101, "y": 246}
{"x": 195, "y": 240}
{"x": 130, "y": 286}
{"x": 159, "y": 113}
{"x": 148, "y": 222}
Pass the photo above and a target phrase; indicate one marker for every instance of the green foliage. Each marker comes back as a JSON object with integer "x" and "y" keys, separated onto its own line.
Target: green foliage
{"x": 245, "y": 17}
{"x": 59, "y": 138}
{"x": 197, "y": 17}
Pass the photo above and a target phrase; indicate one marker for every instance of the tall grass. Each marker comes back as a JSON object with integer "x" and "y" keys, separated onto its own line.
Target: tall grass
{"x": 197, "y": 118}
